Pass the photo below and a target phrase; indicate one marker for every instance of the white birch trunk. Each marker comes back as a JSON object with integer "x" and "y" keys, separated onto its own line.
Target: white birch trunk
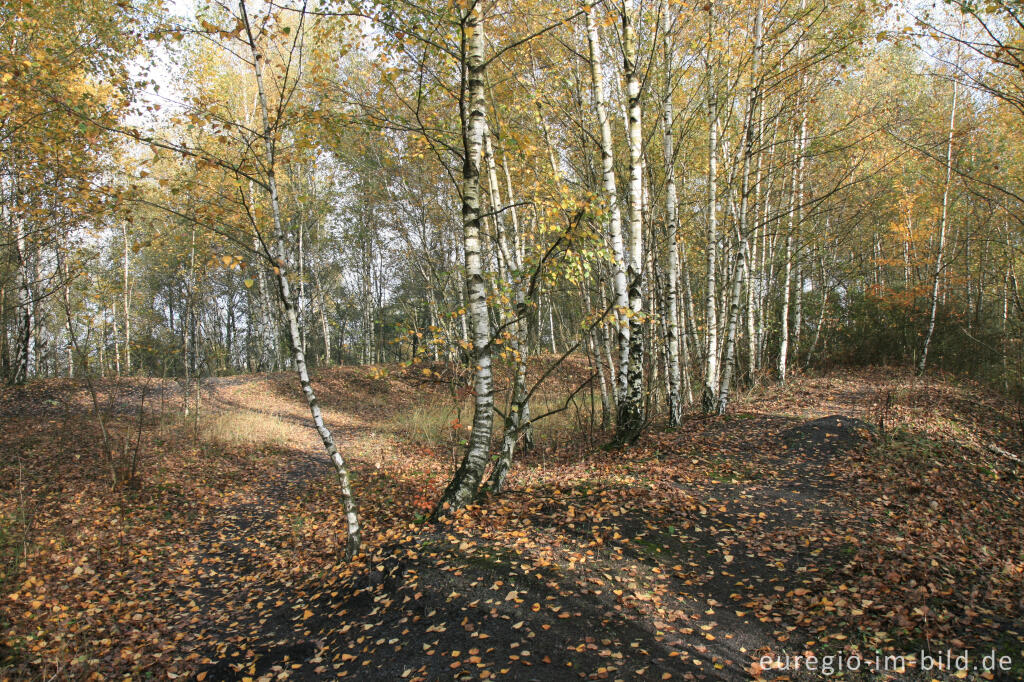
{"x": 794, "y": 208}
{"x": 940, "y": 251}
{"x": 672, "y": 227}
{"x": 798, "y": 302}
{"x": 466, "y": 481}
{"x": 741, "y": 230}
{"x": 631, "y": 417}
{"x": 24, "y": 367}
{"x": 518, "y": 421}
{"x": 126, "y": 303}
{"x": 751, "y": 207}
{"x": 619, "y": 286}
{"x": 284, "y": 291}
{"x": 709, "y": 398}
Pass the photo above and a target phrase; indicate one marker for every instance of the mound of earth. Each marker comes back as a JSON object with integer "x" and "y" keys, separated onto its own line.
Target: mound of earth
{"x": 827, "y": 435}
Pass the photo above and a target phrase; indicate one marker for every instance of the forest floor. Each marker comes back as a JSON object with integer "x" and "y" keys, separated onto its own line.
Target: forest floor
{"x": 792, "y": 526}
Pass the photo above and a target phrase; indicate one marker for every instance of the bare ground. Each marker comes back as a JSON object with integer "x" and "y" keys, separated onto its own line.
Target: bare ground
{"x": 793, "y": 525}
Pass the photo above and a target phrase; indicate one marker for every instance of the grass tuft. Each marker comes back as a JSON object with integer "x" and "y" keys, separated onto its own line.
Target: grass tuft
{"x": 244, "y": 428}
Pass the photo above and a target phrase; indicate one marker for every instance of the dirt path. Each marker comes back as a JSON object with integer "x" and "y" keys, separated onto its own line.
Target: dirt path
{"x": 784, "y": 527}
{"x": 433, "y": 596}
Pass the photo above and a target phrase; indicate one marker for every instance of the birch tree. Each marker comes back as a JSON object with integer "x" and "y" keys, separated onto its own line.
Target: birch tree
{"x": 472, "y": 113}
{"x": 630, "y": 406}
{"x": 277, "y": 250}
{"x": 941, "y": 239}
{"x": 672, "y": 236}
{"x": 620, "y": 289}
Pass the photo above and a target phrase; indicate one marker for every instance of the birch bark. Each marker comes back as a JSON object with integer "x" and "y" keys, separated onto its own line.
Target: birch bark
{"x": 631, "y": 417}
{"x": 795, "y": 200}
{"x": 466, "y": 481}
{"x": 24, "y": 367}
{"x": 672, "y": 225}
{"x": 741, "y": 230}
{"x": 709, "y": 398}
{"x": 518, "y": 420}
{"x": 126, "y": 302}
{"x": 619, "y": 287}
{"x": 281, "y": 267}
{"x": 940, "y": 251}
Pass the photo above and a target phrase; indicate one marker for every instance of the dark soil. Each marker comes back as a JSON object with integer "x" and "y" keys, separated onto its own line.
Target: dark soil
{"x": 773, "y": 530}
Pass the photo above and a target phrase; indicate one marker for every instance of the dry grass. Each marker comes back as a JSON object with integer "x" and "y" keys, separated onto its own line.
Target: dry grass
{"x": 564, "y": 420}
{"x": 430, "y": 423}
{"x": 438, "y": 423}
{"x": 241, "y": 428}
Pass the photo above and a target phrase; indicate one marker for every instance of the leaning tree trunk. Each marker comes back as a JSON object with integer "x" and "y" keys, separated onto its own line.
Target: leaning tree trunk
{"x": 281, "y": 265}
{"x": 466, "y": 482}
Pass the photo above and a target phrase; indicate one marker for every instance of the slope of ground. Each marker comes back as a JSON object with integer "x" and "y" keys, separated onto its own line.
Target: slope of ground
{"x": 857, "y": 513}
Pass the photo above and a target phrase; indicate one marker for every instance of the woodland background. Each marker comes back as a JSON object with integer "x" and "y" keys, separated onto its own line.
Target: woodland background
{"x": 637, "y": 211}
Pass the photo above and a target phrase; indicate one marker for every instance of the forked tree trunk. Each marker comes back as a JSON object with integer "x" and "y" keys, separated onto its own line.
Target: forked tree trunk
{"x": 517, "y": 424}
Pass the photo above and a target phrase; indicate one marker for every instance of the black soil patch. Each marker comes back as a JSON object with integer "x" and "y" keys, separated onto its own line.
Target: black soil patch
{"x": 826, "y": 436}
